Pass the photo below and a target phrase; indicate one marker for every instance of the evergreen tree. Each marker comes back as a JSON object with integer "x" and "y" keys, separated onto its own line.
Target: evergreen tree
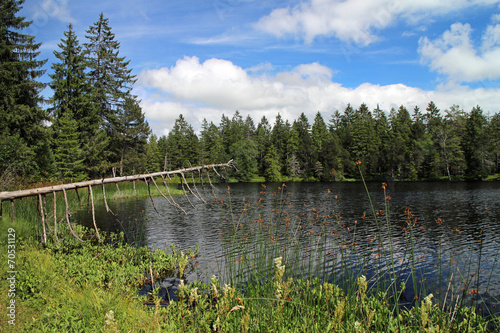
{"x": 364, "y": 143}
{"x": 475, "y": 144}
{"x": 162, "y": 152}
{"x": 279, "y": 138}
{"x": 494, "y": 141}
{"x": 131, "y": 136}
{"x": 154, "y": 157}
{"x": 382, "y": 132}
{"x": 245, "y": 155}
{"x": 301, "y": 144}
{"x": 263, "y": 141}
{"x": 67, "y": 152}
{"x": 272, "y": 166}
{"x": 108, "y": 73}
{"x": 72, "y": 92}
{"x": 319, "y": 136}
{"x": 183, "y": 145}
{"x": 24, "y": 137}
{"x": 400, "y": 144}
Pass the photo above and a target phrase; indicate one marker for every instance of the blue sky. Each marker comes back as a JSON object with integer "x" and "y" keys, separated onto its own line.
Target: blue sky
{"x": 213, "y": 57}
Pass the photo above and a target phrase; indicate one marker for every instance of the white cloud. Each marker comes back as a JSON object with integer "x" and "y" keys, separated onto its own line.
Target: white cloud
{"x": 215, "y": 87}
{"x": 455, "y": 55}
{"x": 355, "y": 20}
{"x": 53, "y": 8}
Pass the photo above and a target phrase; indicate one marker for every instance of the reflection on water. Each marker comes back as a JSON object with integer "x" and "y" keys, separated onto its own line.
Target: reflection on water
{"x": 456, "y": 224}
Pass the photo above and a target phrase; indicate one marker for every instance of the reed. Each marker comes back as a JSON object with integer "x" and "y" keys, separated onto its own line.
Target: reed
{"x": 321, "y": 247}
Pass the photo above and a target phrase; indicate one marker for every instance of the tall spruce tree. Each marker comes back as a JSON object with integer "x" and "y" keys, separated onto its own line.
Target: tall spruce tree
{"x": 24, "y": 136}
{"x": 72, "y": 100}
{"x": 108, "y": 72}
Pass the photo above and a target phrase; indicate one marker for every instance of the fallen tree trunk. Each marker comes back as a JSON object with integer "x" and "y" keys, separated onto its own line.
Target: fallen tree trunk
{"x": 13, "y": 195}
{"x": 113, "y": 180}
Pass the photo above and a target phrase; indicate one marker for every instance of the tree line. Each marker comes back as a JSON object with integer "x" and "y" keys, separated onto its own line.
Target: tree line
{"x": 426, "y": 144}
{"x": 93, "y": 123}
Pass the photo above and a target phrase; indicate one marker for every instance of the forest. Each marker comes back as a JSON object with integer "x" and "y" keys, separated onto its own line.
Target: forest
{"x": 93, "y": 125}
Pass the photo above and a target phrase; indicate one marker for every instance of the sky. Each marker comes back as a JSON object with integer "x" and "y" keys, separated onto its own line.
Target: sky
{"x": 206, "y": 58}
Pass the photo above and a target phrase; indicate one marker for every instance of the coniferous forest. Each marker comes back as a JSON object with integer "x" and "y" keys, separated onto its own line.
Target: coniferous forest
{"x": 93, "y": 124}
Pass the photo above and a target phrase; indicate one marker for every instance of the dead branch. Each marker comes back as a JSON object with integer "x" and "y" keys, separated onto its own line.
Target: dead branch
{"x": 55, "y": 216}
{"x": 42, "y": 214}
{"x": 151, "y": 197}
{"x": 105, "y": 201}
{"x": 170, "y": 195}
{"x": 67, "y": 216}
{"x": 93, "y": 212}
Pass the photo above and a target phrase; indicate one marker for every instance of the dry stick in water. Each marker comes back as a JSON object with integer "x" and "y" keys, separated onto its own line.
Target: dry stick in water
{"x": 40, "y": 205}
{"x": 105, "y": 202}
{"x": 170, "y": 195}
{"x": 185, "y": 191}
{"x": 55, "y": 216}
{"x": 163, "y": 195}
{"x": 194, "y": 184}
{"x": 210, "y": 182}
{"x": 93, "y": 212}
{"x": 189, "y": 188}
{"x": 150, "y": 197}
{"x": 67, "y": 216}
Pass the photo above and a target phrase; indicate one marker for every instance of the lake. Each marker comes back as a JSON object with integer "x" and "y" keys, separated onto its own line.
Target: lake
{"x": 454, "y": 228}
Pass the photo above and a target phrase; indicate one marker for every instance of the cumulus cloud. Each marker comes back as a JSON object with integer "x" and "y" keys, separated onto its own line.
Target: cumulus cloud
{"x": 354, "y": 20}
{"x": 209, "y": 89}
{"x": 455, "y": 55}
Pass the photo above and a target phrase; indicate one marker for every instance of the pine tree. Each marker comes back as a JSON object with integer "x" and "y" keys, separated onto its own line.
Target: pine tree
{"x": 24, "y": 137}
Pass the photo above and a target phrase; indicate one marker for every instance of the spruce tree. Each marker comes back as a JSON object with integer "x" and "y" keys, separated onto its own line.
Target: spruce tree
{"x": 67, "y": 152}
{"x": 108, "y": 73}
{"x": 72, "y": 98}
{"x": 24, "y": 136}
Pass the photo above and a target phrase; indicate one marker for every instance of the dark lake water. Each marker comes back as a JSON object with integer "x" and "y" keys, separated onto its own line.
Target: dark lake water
{"x": 455, "y": 227}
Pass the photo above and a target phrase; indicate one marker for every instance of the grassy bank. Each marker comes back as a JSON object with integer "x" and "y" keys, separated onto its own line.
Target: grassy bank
{"x": 282, "y": 273}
